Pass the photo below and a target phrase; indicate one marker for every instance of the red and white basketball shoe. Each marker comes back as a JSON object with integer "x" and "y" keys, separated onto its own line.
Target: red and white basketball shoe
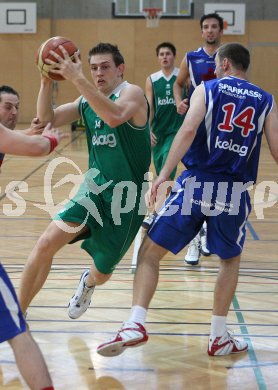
{"x": 131, "y": 334}
{"x": 225, "y": 345}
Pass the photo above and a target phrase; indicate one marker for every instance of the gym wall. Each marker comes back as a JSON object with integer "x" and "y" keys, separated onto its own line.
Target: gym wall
{"x": 136, "y": 42}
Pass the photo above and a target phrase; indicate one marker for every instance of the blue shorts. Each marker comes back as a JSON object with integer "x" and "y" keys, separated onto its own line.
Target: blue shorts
{"x": 197, "y": 197}
{"x": 12, "y": 322}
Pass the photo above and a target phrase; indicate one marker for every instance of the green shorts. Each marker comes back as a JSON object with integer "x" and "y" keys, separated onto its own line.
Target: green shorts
{"x": 106, "y": 241}
{"x": 160, "y": 153}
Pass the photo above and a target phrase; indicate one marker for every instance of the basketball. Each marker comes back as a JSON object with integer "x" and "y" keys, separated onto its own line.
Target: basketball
{"x": 43, "y": 53}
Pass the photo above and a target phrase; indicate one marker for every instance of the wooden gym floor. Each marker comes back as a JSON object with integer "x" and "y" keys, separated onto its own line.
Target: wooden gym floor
{"x": 179, "y": 318}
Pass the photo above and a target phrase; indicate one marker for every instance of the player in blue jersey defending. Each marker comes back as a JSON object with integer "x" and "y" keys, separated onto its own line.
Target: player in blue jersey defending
{"x": 198, "y": 66}
{"x": 13, "y": 327}
{"x": 9, "y": 113}
{"x": 219, "y": 141}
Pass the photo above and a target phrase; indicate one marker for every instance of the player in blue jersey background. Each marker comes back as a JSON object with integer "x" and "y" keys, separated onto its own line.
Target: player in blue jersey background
{"x": 198, "y": 66}
{"x": 219, "y": 141}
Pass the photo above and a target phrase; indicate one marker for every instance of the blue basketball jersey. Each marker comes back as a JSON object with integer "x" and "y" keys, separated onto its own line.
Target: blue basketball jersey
{"x": 201, "y": 67}
{"x": 228, "y": 140}
{"x": 12, "y": 322}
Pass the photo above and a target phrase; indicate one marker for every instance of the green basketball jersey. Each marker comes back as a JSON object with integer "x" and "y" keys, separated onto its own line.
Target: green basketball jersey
{"x": 118, "y": 160}
{"x": 166, "y": 120}
{"x": 120, "y": 154}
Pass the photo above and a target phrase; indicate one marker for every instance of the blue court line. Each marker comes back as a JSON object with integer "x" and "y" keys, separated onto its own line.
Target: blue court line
{"x": 239, "y": 292}
{"x": 171, "y": 268}
{"x": 160, "y": 290}
{"x": 124, "y": 271}
{"x": 7, "y": 362}
{"x": 25, "y": 237}
{"x": 25, "y": 219}
{"x": 263, "y": 221}
{"x": 176, "y": 268}
{"x": 260, "y": 277}
{"x": 252, "y": 355}
{"x": 147, "y": 322}
{"x": 265, "y": 364}
{"x": 124, "y": 369}
{"x": 268, "y": 282}
{"x": 157, "y": 308}
{"x": 149, "y": 333}
{"x": 252, "y": 231}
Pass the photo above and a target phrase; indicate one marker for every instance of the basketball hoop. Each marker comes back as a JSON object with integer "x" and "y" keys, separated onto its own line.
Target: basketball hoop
{"x": 152, "y": 16}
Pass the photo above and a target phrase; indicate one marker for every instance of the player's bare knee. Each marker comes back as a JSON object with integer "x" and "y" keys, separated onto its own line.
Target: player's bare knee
{"x": 150, "y": 252}
{"x": 230, "y": 263}
{"x": 43, "y": 246}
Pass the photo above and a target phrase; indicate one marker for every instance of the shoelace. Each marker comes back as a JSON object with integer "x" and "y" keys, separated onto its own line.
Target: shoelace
{"x": 194, "y": 244}
{"x": 83, "y": 296}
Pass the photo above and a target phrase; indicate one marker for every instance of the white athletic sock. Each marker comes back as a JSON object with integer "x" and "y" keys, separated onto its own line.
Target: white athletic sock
{"x": 138, "y": 314}
{"x": 218, "y": 325}
{"x": 86, "y": 284}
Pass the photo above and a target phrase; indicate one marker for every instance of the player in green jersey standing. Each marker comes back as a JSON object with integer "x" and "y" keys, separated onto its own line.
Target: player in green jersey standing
{"x": 115, "y": 114}
{"x": 164, "y": 119}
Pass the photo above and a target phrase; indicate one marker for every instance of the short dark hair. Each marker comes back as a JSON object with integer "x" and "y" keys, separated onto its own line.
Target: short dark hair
{"x": 169, "y": 45}
{"x": 104, "y": 48}
{"x": 213, "y": 16}
{"x": 7, "y": 89}
{"x": 236, "y": 53}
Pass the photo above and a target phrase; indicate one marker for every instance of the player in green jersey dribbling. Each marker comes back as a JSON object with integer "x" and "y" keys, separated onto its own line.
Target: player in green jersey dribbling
{"x": 105, "y": 213}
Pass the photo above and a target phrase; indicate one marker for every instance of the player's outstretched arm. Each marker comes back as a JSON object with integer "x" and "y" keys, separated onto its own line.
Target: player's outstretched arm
{"x": 36, "y": 127}
{"x": 62, "y": 115}
{"x": 24, "y": 145}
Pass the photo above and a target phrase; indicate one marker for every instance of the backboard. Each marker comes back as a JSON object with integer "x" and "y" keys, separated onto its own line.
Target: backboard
{"x": 134, "y": 8}
{"x": 18, "y": 18}
{"x": 233, "y": 15}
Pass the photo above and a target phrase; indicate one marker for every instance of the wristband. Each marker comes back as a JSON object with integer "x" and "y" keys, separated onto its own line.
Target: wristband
{"x": 2, "y": 155}
{"x": 53, "y": 142}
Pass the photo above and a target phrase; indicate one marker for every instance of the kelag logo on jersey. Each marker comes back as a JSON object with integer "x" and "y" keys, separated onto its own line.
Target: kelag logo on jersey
{"x": 229, "y": 145}
{"x": 166, "y": 101}
{"x": 104, "y": 139}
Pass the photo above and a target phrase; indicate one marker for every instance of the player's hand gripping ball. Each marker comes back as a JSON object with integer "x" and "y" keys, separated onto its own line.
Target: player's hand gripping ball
{"x": 44, "y": 52}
